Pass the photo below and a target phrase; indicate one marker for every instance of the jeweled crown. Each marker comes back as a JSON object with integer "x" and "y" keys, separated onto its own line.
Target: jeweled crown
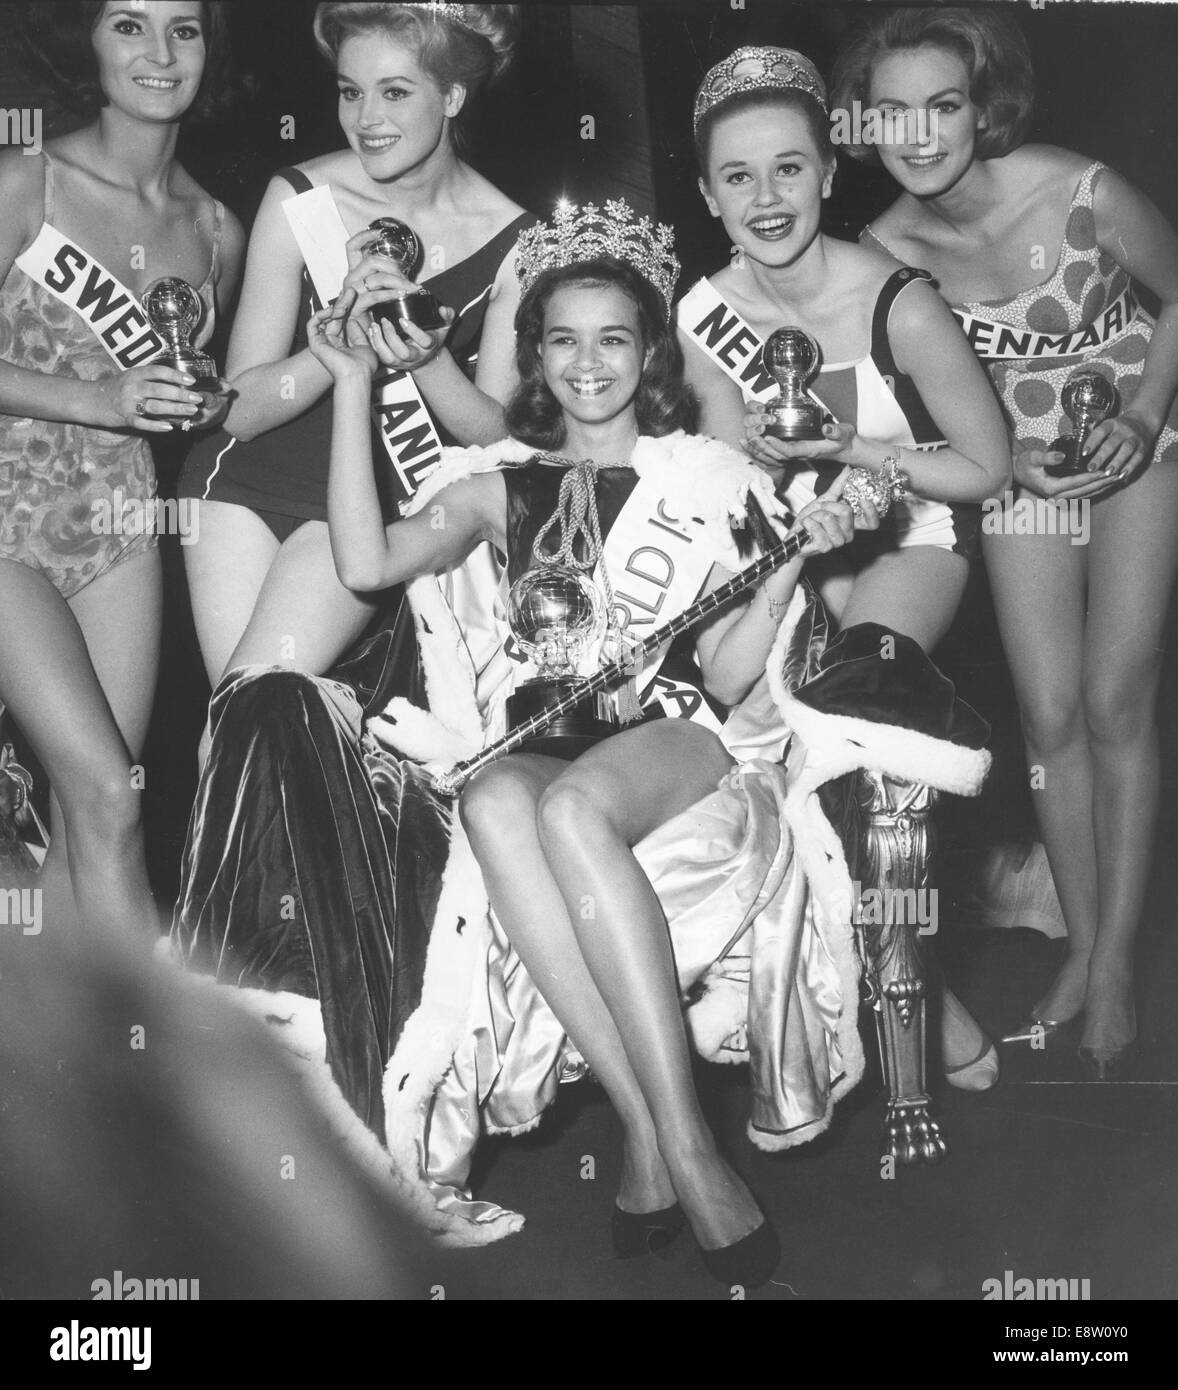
{"x": 754, "y": 69}
{"x": 439, "y": 10}
{"x": 585, "y": 234}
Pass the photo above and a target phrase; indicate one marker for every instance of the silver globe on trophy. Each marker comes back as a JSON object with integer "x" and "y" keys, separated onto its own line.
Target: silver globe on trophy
{"x": 791, "y": 357}
{"x": 175, "y": 311}
{"x": 1087, "y": 399}
{"x": 401, "y": 244}
{"x": 554, "y": 613}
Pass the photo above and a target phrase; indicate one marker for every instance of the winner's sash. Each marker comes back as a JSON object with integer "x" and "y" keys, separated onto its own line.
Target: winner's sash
{"x": 407, "y": 429}
{"x": 1000, "y": 342}
{"x": 108, "y": 308}
{"x": 658, "y": 563}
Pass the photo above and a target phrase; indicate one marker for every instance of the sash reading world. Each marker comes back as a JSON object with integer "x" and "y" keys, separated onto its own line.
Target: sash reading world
{"x": 83, "y": 284}
{"x": 407, "y": 430}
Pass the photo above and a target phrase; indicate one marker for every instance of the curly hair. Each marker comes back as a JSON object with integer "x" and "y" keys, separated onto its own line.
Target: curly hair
{"x": 59, "y": 40}
{"x": 791, "y": 99}
{"x": 663, "y": 402}
{"x": 989, "y": 43}
{"x": 470, "y": 54}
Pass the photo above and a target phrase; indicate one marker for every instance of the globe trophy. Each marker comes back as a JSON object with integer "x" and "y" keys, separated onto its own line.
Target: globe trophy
{"x": 400, "y": 243}
{"x": 791, "y": 357}
{"x": 554, "y": 612}
{"x": 1087, "y": 398}
{"x": 174, "y": 310}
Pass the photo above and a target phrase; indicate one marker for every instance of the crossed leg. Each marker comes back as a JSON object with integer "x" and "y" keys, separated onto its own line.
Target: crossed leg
{"x": 555, "y": 843}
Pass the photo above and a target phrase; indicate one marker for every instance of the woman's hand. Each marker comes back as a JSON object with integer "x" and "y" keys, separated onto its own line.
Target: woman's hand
{"x": 215, "y": 408}
{"x": 829, "y": 522}
{"x": 1120, "y": 446}
{"x": 406, "y": 350}
{"x": 775, "y": 455}
{"x": 1029, "y": 466}
{"x": 130, "y": 399}
{"x": 341, "y": 345}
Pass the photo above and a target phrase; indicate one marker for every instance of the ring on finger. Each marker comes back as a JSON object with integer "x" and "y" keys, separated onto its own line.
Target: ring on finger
{"x": 141, "y": 407}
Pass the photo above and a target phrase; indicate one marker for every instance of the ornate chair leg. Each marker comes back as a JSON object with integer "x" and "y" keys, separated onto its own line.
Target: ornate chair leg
{"x": 889, "y": 858}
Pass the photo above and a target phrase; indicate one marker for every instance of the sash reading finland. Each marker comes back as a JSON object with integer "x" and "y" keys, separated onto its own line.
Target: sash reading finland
{"x": 407, "y": 430}
{"x": 83, "y": 284}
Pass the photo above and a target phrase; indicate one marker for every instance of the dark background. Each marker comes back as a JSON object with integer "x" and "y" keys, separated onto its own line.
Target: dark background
{"x": 1104, "y": 74}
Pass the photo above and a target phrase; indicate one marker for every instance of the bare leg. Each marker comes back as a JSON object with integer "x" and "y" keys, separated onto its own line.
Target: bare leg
{"x": 499, "y": 812}
{"x": 1132, "y": 565}
{"x": 588, "y": 820}
{"x": 256, "y": 601}
{"x": 1039, "y": 585}
{"x": 226, "y": 568}
{"x": 915, "y": 591}
{"x": 79, "y": 678}
{"x": 304, "y": 618}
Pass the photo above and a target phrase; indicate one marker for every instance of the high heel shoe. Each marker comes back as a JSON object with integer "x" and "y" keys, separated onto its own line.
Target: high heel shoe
{"x": 645, "y": 1232}
{"x": 1038, "y": 1030}
{"x": 979, "y": 1075}
{"x": 1108, "y": 1063}
{"x": 749, "y": 1262}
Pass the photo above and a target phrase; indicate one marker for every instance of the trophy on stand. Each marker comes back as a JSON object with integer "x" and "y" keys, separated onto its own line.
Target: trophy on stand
{"x": 175, "y": 311}
{"x": 1087, "y": 398}
{"x": 554, "y": 612}
{"x": 400, "y": 243}
{"x": 791, "y": 356}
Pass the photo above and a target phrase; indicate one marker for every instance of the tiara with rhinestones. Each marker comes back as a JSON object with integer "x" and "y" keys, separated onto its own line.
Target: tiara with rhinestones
{"x": 755, "y": 69}
{"x": 436, "y": 9}
{"x": 585, "y": 234}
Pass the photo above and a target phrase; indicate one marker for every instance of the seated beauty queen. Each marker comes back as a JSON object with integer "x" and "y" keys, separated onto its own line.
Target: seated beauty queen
{"x": 554, "y": 837}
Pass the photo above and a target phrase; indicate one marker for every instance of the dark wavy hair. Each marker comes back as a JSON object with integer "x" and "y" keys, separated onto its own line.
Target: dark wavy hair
{"x": 791, "y": 98}
{"x": 663, "y": 403}
{"x": 58, "y": 37}
{"x": 989, "y": 43}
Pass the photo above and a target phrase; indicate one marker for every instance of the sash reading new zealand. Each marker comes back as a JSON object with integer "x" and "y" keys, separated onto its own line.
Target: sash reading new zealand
{"x": 999, "y": 342}
{"x": 407, "y": 429}
{"x": 83, "y": 284}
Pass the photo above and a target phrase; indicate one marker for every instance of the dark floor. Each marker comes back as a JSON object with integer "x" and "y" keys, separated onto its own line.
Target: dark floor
{"x": 1047, "y": 1176}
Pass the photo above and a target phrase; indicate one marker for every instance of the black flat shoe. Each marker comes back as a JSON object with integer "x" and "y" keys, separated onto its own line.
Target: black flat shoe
{"x": 1108, "y": 1063}
{"x": 749, "y": 1262}
{"x": 645, "y": 1232}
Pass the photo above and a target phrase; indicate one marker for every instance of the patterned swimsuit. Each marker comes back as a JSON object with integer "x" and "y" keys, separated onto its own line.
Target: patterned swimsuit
{"x": 1085, "y": 282}
{"x": 56, "y": 478}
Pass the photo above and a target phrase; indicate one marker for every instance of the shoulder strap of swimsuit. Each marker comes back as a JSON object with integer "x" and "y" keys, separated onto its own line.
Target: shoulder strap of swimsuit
{"x": 296, "y": 178}
{"x": 47, "y": 215}
{"x": 881, "y": 348}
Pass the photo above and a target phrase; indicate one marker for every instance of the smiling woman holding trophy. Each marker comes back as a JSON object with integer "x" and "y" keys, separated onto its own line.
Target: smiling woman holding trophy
{"x": 398, "y": 201}
{"x": 86, "y": 379}
{"x": 619, "y": 530}
{"x": 1040, "y": 250}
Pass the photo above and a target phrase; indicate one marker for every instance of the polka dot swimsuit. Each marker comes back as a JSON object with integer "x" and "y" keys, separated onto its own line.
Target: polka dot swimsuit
{"x": 1085, "y": 281}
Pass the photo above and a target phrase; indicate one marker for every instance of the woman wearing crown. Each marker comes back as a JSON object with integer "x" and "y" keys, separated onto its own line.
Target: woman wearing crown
{"x": 893, "y": 370}
{"x": 485, "y": 938}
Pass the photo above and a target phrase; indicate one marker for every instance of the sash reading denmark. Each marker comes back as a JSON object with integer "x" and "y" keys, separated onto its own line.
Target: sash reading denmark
{"x": 407, "y": 430}
{"x": 83, "y": 284}
{"x": 999, "y": 342}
